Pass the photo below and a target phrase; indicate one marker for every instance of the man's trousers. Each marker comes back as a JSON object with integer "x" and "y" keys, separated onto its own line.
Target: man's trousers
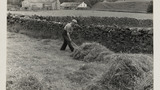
{"x": 66, "y": 41}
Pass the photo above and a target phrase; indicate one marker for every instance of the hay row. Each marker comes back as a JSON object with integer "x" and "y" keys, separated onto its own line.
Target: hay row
{"x": 126, "y": 72}
{"x": 123, "y": 71}
{"x": 90, "y": 52}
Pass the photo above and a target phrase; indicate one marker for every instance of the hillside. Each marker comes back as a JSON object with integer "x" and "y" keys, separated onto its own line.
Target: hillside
{"x": 128, "y": 6}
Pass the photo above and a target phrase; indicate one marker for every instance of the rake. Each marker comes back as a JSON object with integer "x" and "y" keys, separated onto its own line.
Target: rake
{"x": 75, "y": 45}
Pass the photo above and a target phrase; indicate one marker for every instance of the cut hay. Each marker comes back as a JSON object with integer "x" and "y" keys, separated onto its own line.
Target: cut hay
{"x": 29, "y": 83}
{"x": 103, "y": 55}
{"x": 126, "y": 72}
{"x": 88, "y": 52}
{"x": 86, "y": 73}
{"x": 83, "y": 50}
{"x": 98, "y": 67}
{"x": 147, "y": 83}
{"x": 82, "y": 76}
{"x": 45, "y": 41}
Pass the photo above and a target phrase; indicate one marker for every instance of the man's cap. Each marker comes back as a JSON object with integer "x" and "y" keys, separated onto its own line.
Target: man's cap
{"x": 74, "y": 20}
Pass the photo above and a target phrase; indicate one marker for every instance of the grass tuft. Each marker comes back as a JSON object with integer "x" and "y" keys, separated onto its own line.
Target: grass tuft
{"x": 30, "y": 83}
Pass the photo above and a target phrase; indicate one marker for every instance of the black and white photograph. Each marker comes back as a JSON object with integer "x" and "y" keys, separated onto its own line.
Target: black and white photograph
{"x": 79, "y": 45}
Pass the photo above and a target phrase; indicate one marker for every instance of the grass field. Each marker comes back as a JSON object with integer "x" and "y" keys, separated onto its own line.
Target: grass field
{"x": 85, "y": 13}
{"x": 40, "y": 59}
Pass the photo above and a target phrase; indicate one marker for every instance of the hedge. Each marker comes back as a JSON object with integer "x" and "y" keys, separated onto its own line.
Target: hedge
{"x": 117, "y": 39}
{"x": 126, "y": 22}
{"x": 100, "y": 20}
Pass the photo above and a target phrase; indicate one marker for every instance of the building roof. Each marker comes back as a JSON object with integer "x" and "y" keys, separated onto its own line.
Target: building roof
{"x": 65, "y": 4}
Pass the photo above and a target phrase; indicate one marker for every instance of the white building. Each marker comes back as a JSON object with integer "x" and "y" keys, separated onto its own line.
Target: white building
{"x": 41, "y": 4}
{"x": 74, "y": 5}
{"x": 82, "y": 5}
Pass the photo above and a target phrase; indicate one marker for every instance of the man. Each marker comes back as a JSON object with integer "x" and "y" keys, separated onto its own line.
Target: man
{"x": 66, "y": 35}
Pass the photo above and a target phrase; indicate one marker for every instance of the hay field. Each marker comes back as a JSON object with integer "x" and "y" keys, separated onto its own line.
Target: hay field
{"x": 41, "y": 60}
{"x": 38, "y": 64}
{"x": 85, "y": 13}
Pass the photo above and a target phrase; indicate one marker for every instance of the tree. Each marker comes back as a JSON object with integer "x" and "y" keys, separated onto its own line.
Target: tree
{"x": 15, "y": 2}
{"x": 150, "y": 7}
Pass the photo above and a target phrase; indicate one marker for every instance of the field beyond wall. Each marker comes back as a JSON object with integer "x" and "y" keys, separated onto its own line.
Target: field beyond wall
{"x": 85, "y": 13}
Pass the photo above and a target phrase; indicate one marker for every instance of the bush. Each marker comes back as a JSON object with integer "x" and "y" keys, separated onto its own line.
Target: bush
{"x": 150, "y": 7}
{"x": 126, "y": 72}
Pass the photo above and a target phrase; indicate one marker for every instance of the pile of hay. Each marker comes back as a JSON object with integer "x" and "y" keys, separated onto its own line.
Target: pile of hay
{"x": 89, "y": 52}
{"x": 126, "y": 72}
{"x": 104, "y": 56}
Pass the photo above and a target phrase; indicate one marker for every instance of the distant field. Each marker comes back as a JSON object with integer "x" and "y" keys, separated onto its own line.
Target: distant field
{"x": 125, "y": 6}
{"x": 85, "y": 13}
